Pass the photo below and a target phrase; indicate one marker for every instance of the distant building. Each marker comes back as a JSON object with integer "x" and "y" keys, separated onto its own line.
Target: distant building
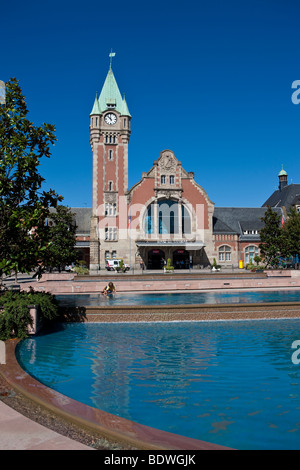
{"x": 286, "y": 196}
{"x": 166, "y": 214}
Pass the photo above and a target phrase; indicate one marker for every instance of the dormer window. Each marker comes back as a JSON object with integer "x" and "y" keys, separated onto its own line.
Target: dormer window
{"x": 111, "y": 103}
{"x": 172, "y": 179}
{"x": 163, "y": 179}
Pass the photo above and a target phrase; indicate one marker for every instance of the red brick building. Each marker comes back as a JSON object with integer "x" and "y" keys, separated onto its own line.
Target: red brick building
{"x": 166, "y": 214}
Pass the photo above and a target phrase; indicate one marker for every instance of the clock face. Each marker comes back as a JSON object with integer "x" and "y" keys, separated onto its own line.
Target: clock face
{"x": 110, "y": 119}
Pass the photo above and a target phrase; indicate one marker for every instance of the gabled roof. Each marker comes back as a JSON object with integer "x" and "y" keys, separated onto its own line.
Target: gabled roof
{"x": 288, "y": 196}
{"x": 82, "y": 218}
{"x": 237, "y": 220}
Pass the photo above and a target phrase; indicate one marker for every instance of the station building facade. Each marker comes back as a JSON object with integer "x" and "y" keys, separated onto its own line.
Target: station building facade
{"x": 166, "y": 214}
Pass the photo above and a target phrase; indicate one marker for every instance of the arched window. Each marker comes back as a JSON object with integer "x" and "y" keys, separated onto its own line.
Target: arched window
{"x": 168, "y": 216}
{"x": 250, "y": 253}
{"x": 224, "y": 253}
{"x": 186, "y": 221}
{"x": 149, "y": 220}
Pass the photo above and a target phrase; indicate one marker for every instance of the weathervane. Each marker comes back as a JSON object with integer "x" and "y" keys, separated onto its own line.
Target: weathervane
{"x": 111, "y": 55}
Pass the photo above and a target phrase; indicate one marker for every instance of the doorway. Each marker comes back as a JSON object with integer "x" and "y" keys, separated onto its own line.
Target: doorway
{"x": 181, "y": 259}
{"x": 155, "y": 259}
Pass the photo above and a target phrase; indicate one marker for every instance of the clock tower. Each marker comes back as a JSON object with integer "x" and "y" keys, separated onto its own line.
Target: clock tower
{"x": 109, "y": 138}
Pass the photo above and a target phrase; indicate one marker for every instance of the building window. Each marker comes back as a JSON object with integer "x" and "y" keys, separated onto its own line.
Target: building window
{"x": 110, "y": 186}
{"x": 250, "y": 253}
{"x": 110, "y": 233}
{"x": 168, "y": 215}
{"x": 298, "y": 208}
{"x": 110, "y": 139}
{"x": 162, "y": 179}
{"x": 110, "y": 154}
{"x": 149, "y": 220}
{"x": 114, "y": 254}
{"x": 107, "y": 254}
{"x": 224, "y": 253}
{"x": 110, "y": 209}
{"x": 172, "y": 179}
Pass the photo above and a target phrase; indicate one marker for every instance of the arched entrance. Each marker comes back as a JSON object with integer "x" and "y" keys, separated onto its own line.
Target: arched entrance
{"x": 181, "y": 259}
{"x": 155, "y": 259}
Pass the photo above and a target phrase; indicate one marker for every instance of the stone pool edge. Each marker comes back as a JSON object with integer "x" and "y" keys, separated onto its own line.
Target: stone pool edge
{"x": 201, "y": 312}
{"x": 111, "y": 427}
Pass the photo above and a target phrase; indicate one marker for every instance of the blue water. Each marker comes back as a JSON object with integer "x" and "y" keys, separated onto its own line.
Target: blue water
{"x": 179, "y": 298}
{"x": 230, "y": 383}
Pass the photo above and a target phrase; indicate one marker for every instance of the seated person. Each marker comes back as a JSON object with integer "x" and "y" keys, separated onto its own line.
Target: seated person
{"x": 109, "y": 289}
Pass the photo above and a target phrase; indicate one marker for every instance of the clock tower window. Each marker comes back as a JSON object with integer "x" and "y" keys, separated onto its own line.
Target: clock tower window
{"x": 110, "y": 233}
{"x": 110, "y": 139}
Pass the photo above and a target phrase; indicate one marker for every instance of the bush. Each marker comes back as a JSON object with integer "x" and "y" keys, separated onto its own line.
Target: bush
{"x": 257, "y": 259}
{"x": 15, "y": 317}
{"x": 215, "y": 265}
{"x": 168, "y": 267}
{"x": 80, "y": 270}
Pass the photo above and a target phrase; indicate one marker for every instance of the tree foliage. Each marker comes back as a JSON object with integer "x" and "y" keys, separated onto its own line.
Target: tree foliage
{"x": 291, "y": 233}
{"x": 280, "y": 240}
{"x": 271, "y": 237}
{"x": 61, "y": 249}
{"x": 24, "y": 206}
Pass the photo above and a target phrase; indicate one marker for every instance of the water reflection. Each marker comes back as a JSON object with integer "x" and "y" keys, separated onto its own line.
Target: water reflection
{"x": 232, "y": 383}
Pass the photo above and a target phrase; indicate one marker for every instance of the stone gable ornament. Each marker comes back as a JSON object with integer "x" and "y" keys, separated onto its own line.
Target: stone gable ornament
{"x": 168, "y": 162}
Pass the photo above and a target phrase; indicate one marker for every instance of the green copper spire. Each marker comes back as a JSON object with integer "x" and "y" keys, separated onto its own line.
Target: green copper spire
{"x": 96, "y": 109}
{"x": 110, "y": 96}
{"x": 282, "y": 172}
{"x": 125, "y": 110}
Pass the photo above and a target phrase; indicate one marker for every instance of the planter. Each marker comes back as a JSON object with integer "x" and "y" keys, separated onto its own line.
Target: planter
{"x": 36, "y": 319}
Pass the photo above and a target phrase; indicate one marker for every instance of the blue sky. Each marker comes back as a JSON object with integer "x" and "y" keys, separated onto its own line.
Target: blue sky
{"x": 211, "y": 81}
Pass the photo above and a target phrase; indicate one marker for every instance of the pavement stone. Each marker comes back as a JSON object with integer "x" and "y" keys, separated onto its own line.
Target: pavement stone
{"x": 20, "y": 433}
